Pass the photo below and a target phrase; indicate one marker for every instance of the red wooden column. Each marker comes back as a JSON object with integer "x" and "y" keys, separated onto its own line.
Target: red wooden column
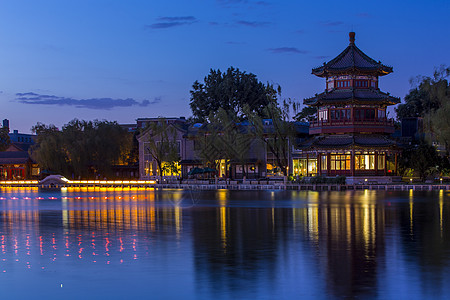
{"x": 352, "y": 163}
{"x": 319, "y": 164}
{"x": 328, "y": 164}
{"x": 395, "y": 167}
{"x": 307, "y": 163}
{"x": 376, "y": 162}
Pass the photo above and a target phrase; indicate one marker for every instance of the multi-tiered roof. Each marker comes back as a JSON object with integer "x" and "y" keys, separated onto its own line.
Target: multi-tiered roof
{"x": 352, "y": 62}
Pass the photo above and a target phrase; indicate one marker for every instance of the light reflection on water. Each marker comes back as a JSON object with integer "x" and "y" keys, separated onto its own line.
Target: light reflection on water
{"x": 120, "y": 244}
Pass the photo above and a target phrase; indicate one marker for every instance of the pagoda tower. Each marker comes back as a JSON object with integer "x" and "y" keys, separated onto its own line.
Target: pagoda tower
{"x": 350, "y": 135}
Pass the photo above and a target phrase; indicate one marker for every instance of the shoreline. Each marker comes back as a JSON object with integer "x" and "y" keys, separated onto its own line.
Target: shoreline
{"x": 221, "y": 186}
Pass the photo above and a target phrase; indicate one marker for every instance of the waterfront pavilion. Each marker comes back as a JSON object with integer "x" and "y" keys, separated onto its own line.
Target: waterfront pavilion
{"x": 351, "y": 133}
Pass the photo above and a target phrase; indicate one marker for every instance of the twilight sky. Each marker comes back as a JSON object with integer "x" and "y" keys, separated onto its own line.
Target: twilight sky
{"x": 122, "y": 60}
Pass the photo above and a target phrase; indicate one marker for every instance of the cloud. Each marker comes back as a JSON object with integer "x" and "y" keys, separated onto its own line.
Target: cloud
{"x": 252, "y": 23}
{"x": 287, "y": 50}
{"x": 332, "y": 23}
{"x": 227, "y": 2}
{"x": 247, "y": 2}
{"x": 300, "y": 31}
{"x": 235, "y": 43}
{"x": 364, "y": 15}
{"x": 321, "y": 57}
{"x": 177, "y": 19}
{"x": 168, "y": 22}
{"x": 92, "y": 103}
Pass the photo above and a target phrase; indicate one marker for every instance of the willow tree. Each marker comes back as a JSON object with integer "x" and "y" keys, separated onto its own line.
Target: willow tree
{"x": 81, "y": 148}
{"x": 437, "y": 120}
{"x": 49, "y": 150}
{"x": 277, "y": 135}
{"x": 208, "y": 145}
{"x": 234, "y": 138}
{"x": 163, "y": 146}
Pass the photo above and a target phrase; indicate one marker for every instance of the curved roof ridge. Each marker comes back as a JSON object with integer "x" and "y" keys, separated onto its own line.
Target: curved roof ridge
{"x": 352, "y": 60}
{"x": 368, "y": 96}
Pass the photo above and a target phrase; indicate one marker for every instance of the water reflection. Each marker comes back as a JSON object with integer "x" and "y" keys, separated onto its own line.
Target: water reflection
{"x": 223, "y": 244}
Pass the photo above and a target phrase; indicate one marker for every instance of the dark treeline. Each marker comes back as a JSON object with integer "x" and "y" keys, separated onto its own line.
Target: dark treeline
{"x": 4, "y": 138}
{"x": 86, "y": 149}
{"x": 428, "y": 99}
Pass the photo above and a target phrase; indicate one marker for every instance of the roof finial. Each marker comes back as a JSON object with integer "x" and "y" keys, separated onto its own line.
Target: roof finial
{"x": 352, "y": 37}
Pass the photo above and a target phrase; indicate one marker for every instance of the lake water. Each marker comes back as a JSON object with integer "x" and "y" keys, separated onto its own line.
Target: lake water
{"x": 172, "y": 244}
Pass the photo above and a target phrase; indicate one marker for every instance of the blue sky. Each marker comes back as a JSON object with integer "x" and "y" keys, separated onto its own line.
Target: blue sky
{"x": 122, "y": 60}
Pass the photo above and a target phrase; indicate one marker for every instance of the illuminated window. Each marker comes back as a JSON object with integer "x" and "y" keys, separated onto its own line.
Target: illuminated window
{"x": 381, "y": 161}
{"x": 340, "y": 161}
{"x": 170, "y": 169}
{"x": 148, "y": 168}
{"x": 304, "y": 167}
{"x": 323, "y": 162}
{"x": 365, "y": 161}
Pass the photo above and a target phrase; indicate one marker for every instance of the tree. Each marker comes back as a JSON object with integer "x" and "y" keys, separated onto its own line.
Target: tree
{"x": 277, "y": 136}
{"x": 416, "y": 105}
{"x": 234, "y": 139}
{"x": 231, "y": 90}
{"x": 427, "y": 96}
{"x": 437, "y": 122}
{"x": 82, "y": 148}
{"x": 162, "y": 146}
{"x": 49, "y": 151}
{"x": 4, "y": 138}
{"x": 208, "y": 145}
{"x": 422, "y": 158}
{"x": 307, "y": 114}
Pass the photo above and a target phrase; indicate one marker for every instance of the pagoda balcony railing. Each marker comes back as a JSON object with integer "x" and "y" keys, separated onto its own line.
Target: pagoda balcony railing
{"x": 343, "y": 126}
{"x": 380, "y": 122}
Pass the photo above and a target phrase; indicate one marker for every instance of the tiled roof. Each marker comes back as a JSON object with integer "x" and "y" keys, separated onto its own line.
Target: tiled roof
{"x": 13, "y": 157}
{"x": 301, "y": 128}
{"x": 363, "y": 96}
{"x": 346, "y": 142}
{"x": 352, "y": 61}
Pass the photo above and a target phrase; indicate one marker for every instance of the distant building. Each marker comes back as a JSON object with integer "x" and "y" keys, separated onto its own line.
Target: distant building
{"x": 145, "y": 122}
{"x": 22, "y": 138}
{"x": 260, "y": 162}
{"x": 15, "y": 161}
{"x": 129, "y": 127}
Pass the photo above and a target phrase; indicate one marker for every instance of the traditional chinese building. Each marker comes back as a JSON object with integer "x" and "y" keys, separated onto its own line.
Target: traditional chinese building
{"x": 351, "y": 133}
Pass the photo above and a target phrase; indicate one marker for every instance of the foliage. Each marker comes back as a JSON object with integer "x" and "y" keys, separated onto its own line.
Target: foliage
{"x": 208, "y": 145}
{"x": 231, "y": 91}
{"x": 162, "y": 146}
{"x": 49, "y": 150}
{"x": 223, "y": 137}
{"x": 307, "y": 114}
{"x": 416, "y": 105}
{"x": 4, "y": 138}
{"x": 234, "y": 138}
{"x": 82, "y": 149}
{"x": 430, "y": 99}
{"x": 422, "y": 158}
{"x": 427, "y": 96}
{"x": 437, "y": 121}
{"x": 277, "y": 136}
